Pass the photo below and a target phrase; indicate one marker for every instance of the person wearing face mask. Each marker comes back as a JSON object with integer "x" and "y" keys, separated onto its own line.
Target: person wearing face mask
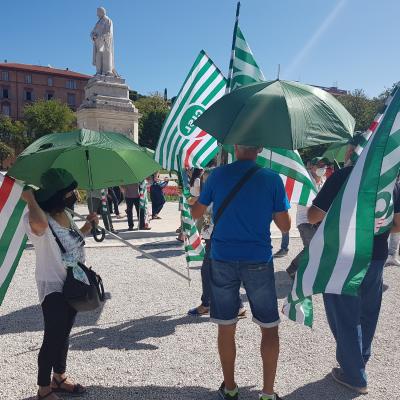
{"x": 318, "y": 166}
{"x": 46, "y": 219}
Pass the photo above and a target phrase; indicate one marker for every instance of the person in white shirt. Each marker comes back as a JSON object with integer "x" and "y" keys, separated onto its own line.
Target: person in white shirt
{"x": 45, "y": 220}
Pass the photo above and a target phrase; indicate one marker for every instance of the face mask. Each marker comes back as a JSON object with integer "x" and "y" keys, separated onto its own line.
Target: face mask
{"x": 320, "y": 172}
{"x": 70, "y": 201}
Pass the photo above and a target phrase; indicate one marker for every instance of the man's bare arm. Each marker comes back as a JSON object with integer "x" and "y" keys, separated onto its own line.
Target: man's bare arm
{"x": 198, "y": 210}
{"x": 282, "y": 221}
{"x": 396, "y": 223}
{"x": 315, "y": 215}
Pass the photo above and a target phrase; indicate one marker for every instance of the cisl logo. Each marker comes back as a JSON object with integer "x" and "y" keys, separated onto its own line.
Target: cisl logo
{"x": 187, "y": 125}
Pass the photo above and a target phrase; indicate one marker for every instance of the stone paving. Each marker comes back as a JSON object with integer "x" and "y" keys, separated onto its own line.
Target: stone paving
{"x": 142, "y": 345}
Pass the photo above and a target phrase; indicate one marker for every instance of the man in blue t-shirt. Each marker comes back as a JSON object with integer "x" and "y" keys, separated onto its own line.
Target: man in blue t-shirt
{"x": 241, "y": 251}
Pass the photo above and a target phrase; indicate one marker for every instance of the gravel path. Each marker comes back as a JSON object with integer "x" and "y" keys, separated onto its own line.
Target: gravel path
{"x": 141, "y": 345}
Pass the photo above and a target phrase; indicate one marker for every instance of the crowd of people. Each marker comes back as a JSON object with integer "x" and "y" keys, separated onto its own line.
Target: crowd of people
{"x": 234, "y": 206}
{"x": 106, "y": 202}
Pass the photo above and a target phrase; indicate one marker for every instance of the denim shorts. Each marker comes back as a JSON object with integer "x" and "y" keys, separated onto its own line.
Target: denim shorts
{"x": 259, "y": 282}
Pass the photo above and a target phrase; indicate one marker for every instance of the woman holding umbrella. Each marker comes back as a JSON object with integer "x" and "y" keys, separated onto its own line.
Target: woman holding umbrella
{"x": 48, "y": 225}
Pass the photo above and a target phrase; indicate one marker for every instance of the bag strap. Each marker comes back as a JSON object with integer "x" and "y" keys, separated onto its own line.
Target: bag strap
{"x": 234, "y": 191}
{"x": 60, "y": 245}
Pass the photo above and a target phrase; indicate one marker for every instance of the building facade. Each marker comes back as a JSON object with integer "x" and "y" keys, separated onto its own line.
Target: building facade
{"x": 21, "y": 84}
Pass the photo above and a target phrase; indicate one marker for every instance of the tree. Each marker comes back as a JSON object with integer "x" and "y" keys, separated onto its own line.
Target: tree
{"x": 361, "y": 107}
{"x": 48, "y": 116}
{"x": 12, "y": 133}
{"x": 153, "y": 109}
{"x": 5, "y": 152}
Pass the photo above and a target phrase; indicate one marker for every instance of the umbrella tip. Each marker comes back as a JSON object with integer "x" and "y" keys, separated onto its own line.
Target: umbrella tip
{"x": 279, "y": 72}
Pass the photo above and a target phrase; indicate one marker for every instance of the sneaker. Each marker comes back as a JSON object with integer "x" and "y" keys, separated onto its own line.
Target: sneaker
{"x": 281, "y": 253}
{"x": 393, "y": 260}
{"x": 119, "y": 216}
{"x": 264, "y": 397}
{"x": 227, "y": 396}
{"x": 338, "y": 376}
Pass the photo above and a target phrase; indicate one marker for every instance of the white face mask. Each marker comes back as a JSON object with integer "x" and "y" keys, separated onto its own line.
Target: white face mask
{"x": 320, "y": 172}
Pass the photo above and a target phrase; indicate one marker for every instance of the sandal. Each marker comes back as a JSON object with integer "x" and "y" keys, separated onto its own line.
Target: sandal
{"x": 39, "y": 397}
{"x": 194, "y": 312}
{"x": 78, "y": 390}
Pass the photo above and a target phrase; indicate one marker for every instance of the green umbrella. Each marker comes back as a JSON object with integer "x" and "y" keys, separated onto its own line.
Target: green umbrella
{"x": 277, "y": 113}
{"x": 95, "y": 159}
{"x": 336, "y": 152}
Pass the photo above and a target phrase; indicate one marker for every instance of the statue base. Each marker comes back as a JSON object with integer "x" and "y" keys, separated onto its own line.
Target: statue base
{"x": 107, "y": 107}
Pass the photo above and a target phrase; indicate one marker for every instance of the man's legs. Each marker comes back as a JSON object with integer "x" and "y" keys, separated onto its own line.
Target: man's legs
{"x": 371, "y": 300}
{"x": 353, "y": 321}
{"x": 129, "y": 213}
{"x": 307, "y": 232}
{"x": 269, "y": 355}
{"x": 259, "y": 282}
{"x": 225, "y": 286}
{"x": 227, "y": 354}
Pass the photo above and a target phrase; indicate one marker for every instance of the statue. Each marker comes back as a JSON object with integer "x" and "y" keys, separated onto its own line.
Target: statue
{"x": 103, "y": 46}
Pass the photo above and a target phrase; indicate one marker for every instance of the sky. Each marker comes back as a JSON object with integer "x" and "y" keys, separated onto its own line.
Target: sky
{"x": 349, "y": 43}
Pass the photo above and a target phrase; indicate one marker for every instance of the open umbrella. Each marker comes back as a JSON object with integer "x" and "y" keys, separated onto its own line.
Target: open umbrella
{"x": 95, "y": 159}
{"x": 277, "y": 113}
{"x": 336, "y": 152}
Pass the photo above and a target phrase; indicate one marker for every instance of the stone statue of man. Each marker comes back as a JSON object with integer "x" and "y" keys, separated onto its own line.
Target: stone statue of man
{"x": 103, "y": 46}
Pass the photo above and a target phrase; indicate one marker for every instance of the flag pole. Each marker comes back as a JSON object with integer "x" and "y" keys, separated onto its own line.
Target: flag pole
{"x": 230, "y": 71}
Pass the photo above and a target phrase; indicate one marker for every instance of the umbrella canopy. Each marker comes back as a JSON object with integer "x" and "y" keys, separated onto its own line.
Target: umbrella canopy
{"x": 336, "y": 152}
{"x": 95, "y": 159}
{"x": 278, "y": 113}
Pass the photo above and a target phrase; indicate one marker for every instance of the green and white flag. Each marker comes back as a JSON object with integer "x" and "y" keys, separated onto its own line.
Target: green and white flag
{"x": 288, "y": 163}
{"x": 341, "y": 249}
{"x": 179, "y": 137}
{"x": 12, "y": 230}
{"x": 245, "y": 69}
{"x": 194, "y": 248}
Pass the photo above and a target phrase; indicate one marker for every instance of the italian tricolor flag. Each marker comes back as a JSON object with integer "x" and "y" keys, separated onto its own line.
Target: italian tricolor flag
{"x": 12, "y": 231}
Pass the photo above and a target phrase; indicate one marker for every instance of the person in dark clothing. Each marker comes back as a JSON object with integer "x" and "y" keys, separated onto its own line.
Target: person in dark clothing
{"x": 157, "y": 196}
{"x": 353, "y": 319}
{"x": 113, "y": 202}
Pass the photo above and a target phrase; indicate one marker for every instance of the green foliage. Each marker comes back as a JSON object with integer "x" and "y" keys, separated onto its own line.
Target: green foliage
{"x": 153, "y": 109}
{"x": 48, "y": 116}
{"x": 5, "y": 152}
{"x": 12, "y": 133}
{"x": 361, "y": 107}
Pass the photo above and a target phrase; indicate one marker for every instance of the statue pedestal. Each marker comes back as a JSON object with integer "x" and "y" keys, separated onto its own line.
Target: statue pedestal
{"x": 107, "y": 107}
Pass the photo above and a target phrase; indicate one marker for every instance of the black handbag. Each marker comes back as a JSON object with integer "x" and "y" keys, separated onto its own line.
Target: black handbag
{"x": 80, "y": 295}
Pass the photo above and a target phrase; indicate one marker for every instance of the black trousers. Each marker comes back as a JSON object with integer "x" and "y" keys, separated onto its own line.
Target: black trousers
{"x": 130, "y": 202}
{"x": 96, "y": 206}
{"x": 59, "y": 318}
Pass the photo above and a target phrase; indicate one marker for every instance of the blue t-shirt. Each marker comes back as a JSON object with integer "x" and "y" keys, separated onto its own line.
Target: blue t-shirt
{"x": 243, "y": 231}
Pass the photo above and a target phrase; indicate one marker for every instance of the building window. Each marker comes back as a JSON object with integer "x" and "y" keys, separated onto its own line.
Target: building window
{"x": 4, "y": 76}
{"x": 71, "y": 99}
{"x": 6, "y": 109}
{"x": 28, "y": 95}
{"x": 5, "y": 93}
{"x": 71, "y": 84}
{"x": 49, "y": 81}
{"x": 49, "y": 95}
{"x": 28, "y": 78}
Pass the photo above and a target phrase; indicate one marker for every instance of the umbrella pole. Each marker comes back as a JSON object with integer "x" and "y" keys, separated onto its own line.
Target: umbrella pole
{"x": 94, "y": 227}
{"x": 136, "y": 248}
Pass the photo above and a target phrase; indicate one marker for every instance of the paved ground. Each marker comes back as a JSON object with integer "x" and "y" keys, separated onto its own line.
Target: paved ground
{"x": 141, "y": 345}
